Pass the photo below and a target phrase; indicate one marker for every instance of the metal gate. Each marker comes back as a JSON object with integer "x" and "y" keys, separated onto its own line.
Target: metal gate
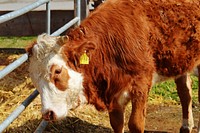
{"x": 80, "y": 12}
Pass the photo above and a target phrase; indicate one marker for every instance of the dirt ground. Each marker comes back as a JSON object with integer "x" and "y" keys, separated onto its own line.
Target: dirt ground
{"x": 160, "y": 119}
{"x": 14, "y": 88}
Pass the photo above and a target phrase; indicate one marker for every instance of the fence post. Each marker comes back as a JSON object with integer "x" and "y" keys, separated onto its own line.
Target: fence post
{"x": 77, "y": 10}
{"x": 22, "y": 59}
{"x": 81, "y": 11}
{"x": 48, "y": 18}
{"x": 84, "y": 9}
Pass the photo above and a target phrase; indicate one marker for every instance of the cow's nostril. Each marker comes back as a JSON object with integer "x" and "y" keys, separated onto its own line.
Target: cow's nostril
{"x": 49, "y": 116}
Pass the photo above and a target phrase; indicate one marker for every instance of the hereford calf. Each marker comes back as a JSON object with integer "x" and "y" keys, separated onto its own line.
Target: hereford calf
{"x": 115, "y": 56}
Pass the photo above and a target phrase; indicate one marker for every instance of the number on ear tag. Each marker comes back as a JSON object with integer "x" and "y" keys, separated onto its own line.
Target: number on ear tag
{"x": 84, "y": 59}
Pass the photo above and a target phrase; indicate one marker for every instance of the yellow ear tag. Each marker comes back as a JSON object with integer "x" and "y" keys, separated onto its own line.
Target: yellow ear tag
{"x": 84, "y": 59}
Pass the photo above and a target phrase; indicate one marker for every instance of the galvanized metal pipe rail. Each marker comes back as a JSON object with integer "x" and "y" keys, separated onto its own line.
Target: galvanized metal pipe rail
{"x": 48, "y": 18}
{"x": 17, "y": 111}
{"x": 17, "y": 13}
{"x": 66, "y": 26}
{"x": 24, "y": 57}
{"x": 13, "y": 65}
{"x": 77, "y": 10}
{"x": 41, "y": 127}
{"x": 16, "y": 64}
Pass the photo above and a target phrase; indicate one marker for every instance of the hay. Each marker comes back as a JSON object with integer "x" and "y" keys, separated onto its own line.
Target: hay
{"x": 14, "y": 89}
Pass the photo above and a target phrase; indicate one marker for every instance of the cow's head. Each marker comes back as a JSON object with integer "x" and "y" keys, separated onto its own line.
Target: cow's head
{"x": 60, "y": 87}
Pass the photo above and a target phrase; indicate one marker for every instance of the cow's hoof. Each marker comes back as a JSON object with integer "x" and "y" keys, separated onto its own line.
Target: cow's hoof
{"x": 185, "y": 130}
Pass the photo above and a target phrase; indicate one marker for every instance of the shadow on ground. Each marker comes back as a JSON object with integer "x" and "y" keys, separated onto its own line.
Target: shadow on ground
{"x": 69, "y": 125}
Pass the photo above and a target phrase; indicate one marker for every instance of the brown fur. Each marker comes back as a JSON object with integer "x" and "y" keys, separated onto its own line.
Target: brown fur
{"x": 59, "y": 77}
{"x": 156, "y": 36}
{"x": 131, "y": 40}
{"x": 114, "y": 62}
{"x": 127, "y": 41}
{"x": 30, "y": 47}
{"x": 176, "y": 32}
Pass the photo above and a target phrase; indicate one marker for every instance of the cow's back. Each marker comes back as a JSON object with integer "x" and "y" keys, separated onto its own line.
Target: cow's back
{"x": 174, "y": 35}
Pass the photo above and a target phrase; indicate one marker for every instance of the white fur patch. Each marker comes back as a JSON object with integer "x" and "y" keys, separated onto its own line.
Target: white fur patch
{"x": 195, "y": 71}
{"x": 158, "y": 78}
{"x": 45, "y": 54}
{"x": 124, "y": 98}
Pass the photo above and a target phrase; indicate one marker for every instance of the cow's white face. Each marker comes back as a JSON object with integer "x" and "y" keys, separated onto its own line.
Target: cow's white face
{"x": 59, "y": 86}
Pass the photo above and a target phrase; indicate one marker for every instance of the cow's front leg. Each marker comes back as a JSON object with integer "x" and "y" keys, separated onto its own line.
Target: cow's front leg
{"x": 117, "y": 120}
{"x": 116, "y": 111}
{"x": 137, "y": 118}
{"x": 184, "y": 89}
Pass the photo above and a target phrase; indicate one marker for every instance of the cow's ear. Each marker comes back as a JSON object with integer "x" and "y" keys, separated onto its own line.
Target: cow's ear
{"x": 30, "y": 47}
{"x": 86, "y": 47}
{"x": 61, "y": 40}
{"x": 85, "y": 52}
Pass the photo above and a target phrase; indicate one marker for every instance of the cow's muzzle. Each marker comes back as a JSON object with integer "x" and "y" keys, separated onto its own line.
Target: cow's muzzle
{"x": 49, "y": 116}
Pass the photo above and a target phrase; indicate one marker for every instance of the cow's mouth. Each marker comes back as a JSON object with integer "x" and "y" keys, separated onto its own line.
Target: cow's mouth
{"x": 49, "y": 116}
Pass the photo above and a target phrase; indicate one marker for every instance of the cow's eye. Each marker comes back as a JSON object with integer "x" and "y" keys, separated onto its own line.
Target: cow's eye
{"x": 57, "y": 71}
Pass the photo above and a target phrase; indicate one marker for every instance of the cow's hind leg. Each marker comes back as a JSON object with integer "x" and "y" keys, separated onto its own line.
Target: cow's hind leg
{"x": 184, "y": 89}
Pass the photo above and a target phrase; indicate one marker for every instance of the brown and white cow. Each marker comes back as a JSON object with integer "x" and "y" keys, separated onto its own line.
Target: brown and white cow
{"x": 115, "y": 56}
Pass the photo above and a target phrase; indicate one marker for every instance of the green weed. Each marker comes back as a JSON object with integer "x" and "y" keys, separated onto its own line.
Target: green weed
{"x": 15, "y": 42}
{"x": 166, "y": 92}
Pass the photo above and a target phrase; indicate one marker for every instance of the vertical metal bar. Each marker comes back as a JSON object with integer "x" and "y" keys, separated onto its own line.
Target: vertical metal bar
{"x": 84, "y": 9}
{"x": 48, "y": 18}
{"x": 87, "y": 8}
{"x": 77, "y": 10}
{"x": 19, "y": 109}
{"x": 41, "y": 127}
